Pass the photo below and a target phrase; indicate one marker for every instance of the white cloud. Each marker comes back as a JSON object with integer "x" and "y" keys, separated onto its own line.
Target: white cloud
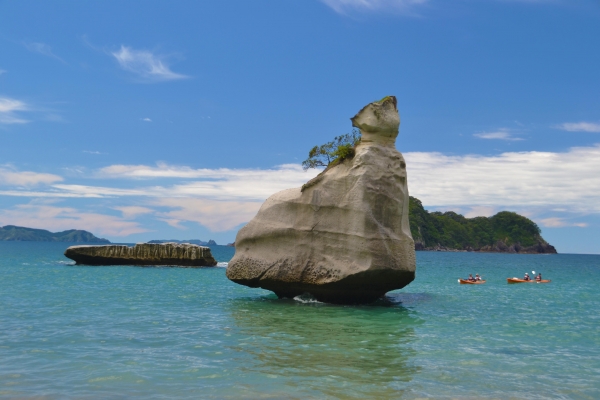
{"x": 146, "y": 120}
{"x": 501, "y": 134}
{"x": 517, "y": 179}
{"x": 11, "y": 177}
{"x": 145, "y": 64}
{"x": 223, "y": 183}
{"x": 9, "y": 109}
{"x": 10, "y": 105}
{"x": 580, "y": 225}
{"x": 247, "y": 185}
{"x": 532, "y": 183}
{"x": 54, "y": 218}
{"x": 47, "y": 194}
{"x": 100, "y": 191}
{"x": 2, "y": 71}
{"x": 480, "y": 211}
{"x": 131, "y": 212}
{"x": 43, "y": 49}
{"x": 345, "y": 6}
{"x": 525, "y": 179}
{"x": 580, "y": 127}
{"x": 218, "y": 216}
{"x": 560, "y": 223}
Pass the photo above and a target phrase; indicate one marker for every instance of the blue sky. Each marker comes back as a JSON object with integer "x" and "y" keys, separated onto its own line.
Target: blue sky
{"x": 146, "y": 120}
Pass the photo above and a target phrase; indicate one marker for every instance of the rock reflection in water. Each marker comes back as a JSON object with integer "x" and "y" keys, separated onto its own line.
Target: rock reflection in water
{"x": 323, "y": 350}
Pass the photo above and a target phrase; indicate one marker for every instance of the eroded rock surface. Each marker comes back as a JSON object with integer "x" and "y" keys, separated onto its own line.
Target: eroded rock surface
{"x": 172, "y": 254}
{"x": 344, "y": 237}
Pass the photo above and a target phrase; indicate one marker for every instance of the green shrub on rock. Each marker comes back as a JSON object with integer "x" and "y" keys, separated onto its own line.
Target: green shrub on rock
{"x": 341, "y": 148}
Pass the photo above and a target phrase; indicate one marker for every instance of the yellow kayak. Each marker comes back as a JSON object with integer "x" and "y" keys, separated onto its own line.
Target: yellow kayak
{"x": 467, "y": 282}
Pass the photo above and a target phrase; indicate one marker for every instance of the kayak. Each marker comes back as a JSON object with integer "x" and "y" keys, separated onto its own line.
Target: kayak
{"x": 517, "y": 280}
{"x": 467, "y": 282}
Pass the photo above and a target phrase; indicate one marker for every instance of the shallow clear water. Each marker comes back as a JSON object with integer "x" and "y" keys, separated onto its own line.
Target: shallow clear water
{"x": 87, "y": 332}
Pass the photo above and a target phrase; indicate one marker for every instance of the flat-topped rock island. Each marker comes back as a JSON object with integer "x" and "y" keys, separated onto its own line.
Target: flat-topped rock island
{"x": 167, "y": 254}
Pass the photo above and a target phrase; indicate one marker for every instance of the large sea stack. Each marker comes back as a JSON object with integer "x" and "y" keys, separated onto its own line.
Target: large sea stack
{"x": 168, "y": 254}
{"x": 344, "y": 237}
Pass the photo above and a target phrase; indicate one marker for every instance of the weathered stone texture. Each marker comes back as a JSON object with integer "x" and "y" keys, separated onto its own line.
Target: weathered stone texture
{"x": 345, "y": 236}
{"x": 175, "y": 254}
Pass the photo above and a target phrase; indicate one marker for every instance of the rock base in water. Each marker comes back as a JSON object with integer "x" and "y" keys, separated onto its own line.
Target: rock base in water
{"x": 168, "y": 254}
{"x": 344, "y": 237}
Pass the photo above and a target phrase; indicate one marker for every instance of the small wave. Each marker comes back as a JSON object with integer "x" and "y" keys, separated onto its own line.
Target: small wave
{"x": 307, "y": 298}
{"x": 222, "y": 264}
{"x": 65, "y": 262}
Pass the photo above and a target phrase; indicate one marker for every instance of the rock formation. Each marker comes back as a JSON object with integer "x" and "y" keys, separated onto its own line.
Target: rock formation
{"x": 505, "y": 232}
{"x": 344, "y": 237}
{"x": 172, "y": 254}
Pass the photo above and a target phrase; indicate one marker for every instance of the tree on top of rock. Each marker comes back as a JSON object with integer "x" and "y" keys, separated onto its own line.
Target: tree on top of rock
{"x": 341, "y": 148}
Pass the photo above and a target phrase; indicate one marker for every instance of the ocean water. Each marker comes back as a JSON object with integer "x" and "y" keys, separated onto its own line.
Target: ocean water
{"x": 150, "y": 332}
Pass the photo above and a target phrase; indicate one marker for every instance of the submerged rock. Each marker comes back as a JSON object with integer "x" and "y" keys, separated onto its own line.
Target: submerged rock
{"x": 344, "y": 237}
{"x": 176, "y": 254}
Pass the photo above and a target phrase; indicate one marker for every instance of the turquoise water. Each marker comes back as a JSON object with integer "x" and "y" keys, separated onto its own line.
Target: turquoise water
{"x": 120, "y": 332}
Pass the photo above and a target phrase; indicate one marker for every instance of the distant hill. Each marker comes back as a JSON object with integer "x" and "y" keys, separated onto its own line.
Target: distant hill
{"x": 191, "y": 241}
{"x": 505, "y": 232}
{"x": 22, "y": 234}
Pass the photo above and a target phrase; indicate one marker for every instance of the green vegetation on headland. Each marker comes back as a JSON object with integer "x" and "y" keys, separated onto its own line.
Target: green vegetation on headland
{"x": 505, "y": 232}
{"x": 21, "y": 234}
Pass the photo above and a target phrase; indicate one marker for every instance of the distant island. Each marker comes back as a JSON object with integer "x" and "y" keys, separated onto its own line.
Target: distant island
{"x": 22, "y": 234}
{"x": 191, "y": 241}
{"x": 505, "y": 232}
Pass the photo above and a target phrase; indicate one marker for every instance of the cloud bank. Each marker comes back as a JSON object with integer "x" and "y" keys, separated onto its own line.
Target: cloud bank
{"x": 531, "y": 178}
{"x": 11, "y": 177}
{"x": 537, "y": 183}
{"x": 515, "y": 179}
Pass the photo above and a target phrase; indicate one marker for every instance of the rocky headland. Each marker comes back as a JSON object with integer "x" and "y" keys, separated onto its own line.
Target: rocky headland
{"x": 505, "y": 232}
{"x": 21, "y": 234}
{"x": 344, "y": 237}
{"x": 167, "y": 254}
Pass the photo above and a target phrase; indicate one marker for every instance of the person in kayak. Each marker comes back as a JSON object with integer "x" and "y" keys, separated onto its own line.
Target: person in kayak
{"x": 526, "y": 277}
{"x": 471, "y": 279}
{"x": 477, "y": 277}
{"x": 539, "y": 277}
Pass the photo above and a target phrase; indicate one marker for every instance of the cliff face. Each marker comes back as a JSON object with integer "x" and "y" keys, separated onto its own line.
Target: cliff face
{"x": 505, "y": 232}
{"x": 186, "y": 255}
{"x": 344, "y": 237}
